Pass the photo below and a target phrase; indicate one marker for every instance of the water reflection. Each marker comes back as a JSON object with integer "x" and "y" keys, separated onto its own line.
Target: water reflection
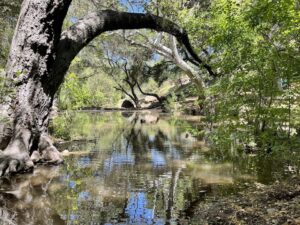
{"x": 137, "y": 210}
{"x": 26, "y": 199}
{"x": 141, "y": 169}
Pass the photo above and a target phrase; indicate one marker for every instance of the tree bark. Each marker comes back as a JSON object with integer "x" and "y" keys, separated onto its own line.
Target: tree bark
{"x": 29, "y": 65}
{"x": 39, "y": 58}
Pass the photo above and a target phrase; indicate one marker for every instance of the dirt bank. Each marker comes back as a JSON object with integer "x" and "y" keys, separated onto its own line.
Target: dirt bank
{"x": 259, "y": 204}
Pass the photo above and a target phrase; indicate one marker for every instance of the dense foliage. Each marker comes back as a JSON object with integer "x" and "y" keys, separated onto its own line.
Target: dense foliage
{"x": 252, "y": 47}
{"x": 256, "y": 55}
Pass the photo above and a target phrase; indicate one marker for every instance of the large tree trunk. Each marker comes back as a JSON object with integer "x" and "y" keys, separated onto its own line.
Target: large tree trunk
{"x": 29, "y": 65}
{"x": 39, "y": 58}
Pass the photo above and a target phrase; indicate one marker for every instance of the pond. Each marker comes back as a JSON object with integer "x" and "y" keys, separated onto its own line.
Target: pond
{"x": 133, "y": 168}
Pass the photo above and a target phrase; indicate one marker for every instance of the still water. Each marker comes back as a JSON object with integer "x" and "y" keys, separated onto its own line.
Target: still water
{"x": 131, "y": 168}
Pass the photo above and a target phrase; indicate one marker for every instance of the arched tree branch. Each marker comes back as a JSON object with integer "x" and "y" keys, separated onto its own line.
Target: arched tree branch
{"x": 94, "y": 24}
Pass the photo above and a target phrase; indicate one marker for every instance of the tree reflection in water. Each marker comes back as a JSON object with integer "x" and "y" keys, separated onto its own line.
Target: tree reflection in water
{"x": 140, "y": 169}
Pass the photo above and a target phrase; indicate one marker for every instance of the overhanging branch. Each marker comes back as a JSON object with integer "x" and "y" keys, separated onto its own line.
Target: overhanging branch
{"x": 85, "y": 30}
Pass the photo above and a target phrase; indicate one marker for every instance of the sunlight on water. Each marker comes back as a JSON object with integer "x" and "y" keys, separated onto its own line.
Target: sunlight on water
{"x": 135, "y": 169}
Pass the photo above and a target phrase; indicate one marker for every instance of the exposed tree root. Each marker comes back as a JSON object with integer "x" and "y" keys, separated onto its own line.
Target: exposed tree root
{"x": 16, "y": 157}
{"x": 10, "y": 164}
{"x": 48, "y": 153}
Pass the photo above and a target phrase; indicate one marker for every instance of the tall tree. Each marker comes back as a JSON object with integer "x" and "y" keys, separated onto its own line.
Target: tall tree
{"x": 39, "y": 58}
{"x": 128, "y": 68}
{"x": 129, "y": 80}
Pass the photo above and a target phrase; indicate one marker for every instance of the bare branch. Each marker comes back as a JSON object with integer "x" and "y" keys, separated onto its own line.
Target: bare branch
{"x": 184, "y": 66}
{"x": 147, "y": 93}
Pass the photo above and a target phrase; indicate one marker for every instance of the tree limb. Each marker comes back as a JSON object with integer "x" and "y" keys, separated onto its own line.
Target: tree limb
{"x": 149, "y": 94}
{"x": 120, "y": 88}
{"x": 172, "y": 54}
{"x": 85, "y": 30}
{"x": 193, "y": 75}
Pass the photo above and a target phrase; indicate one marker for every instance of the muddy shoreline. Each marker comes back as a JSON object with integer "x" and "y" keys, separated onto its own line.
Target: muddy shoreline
{"x": 259, "y": 204}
